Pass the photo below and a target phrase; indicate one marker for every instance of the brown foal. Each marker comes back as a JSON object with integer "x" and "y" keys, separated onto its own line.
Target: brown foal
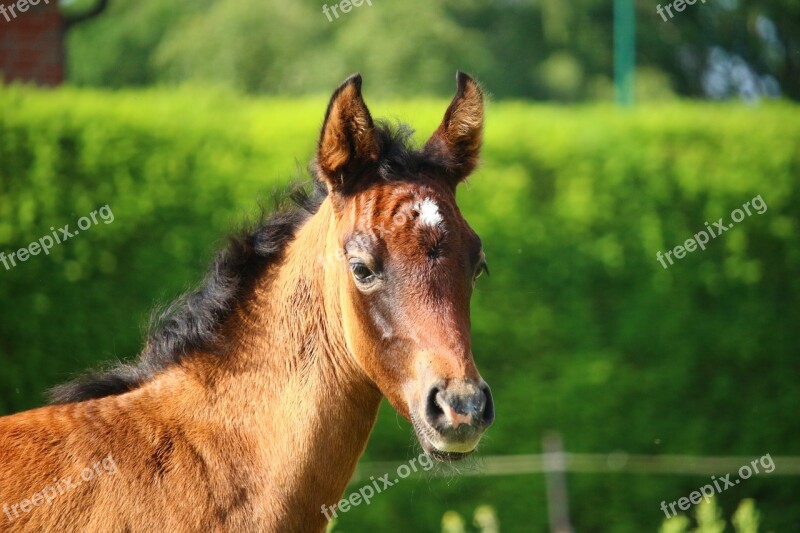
{"x": 255, "y": 395}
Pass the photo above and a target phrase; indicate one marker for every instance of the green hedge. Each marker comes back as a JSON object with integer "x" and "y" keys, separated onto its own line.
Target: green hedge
{"x": 578, "y": 329}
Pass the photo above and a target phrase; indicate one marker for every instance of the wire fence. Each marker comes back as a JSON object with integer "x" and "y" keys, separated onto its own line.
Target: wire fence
{"x": 590, "y": 463}
{"x": 555, "y": 463}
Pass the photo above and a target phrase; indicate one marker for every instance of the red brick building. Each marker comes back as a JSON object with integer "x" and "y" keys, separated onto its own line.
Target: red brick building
{"x": 32, "y": 36}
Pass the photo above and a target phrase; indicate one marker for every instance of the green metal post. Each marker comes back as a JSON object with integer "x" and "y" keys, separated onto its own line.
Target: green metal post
{"x": 624, "y": 51}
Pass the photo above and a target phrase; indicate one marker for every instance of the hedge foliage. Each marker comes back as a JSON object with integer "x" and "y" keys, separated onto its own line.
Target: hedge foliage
{"x": 578, "y": 329}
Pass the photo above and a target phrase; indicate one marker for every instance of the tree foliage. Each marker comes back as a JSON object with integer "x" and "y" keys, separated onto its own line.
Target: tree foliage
{"x": 545, "y": 49}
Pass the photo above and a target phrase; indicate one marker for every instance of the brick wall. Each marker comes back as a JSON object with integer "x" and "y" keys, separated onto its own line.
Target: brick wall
{"x": 32, "y": 43}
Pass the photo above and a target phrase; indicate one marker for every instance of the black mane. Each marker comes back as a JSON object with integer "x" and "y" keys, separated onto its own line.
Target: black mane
{"x": 191, "y": 323}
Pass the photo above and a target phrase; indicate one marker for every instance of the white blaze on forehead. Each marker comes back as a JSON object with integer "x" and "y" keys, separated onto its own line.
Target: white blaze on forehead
{"x": 428, "y": 212}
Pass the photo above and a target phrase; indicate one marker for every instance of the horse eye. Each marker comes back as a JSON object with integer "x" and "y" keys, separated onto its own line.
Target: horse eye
{"x": 482, "y": 268}
{"x": 362, "y": 273}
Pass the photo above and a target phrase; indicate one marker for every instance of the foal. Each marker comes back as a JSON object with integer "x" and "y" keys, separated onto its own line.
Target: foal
{"x": 255, "y": 396}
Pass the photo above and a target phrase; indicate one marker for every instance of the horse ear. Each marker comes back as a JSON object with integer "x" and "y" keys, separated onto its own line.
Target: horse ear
{"x": 348, "y": 141}
{"x": 459, "y": 137}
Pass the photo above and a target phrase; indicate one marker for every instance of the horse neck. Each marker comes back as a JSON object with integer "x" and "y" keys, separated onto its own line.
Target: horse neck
{"x": 291, "y": 380}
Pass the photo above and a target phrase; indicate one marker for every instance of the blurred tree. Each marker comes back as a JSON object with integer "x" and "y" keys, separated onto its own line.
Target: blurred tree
{"x": 533, "y": 49}
{"x": 288, "y": 46}
{"x": 117, "y": 48}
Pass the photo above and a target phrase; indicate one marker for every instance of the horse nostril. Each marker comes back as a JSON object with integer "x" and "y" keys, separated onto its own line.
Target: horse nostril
{"x": 488, "y": 409}
{"x": 433, "y": 411}
{"x": 464, "y": 404}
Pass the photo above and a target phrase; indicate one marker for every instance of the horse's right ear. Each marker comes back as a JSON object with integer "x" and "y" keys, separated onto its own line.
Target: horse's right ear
{"x": 458, "y": 139}
{"x": 348, "y": 142}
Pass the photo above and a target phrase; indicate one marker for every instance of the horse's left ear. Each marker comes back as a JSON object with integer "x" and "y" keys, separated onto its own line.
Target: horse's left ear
{"x": 348, "y": 142}
{"x": 459, "y": 137}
